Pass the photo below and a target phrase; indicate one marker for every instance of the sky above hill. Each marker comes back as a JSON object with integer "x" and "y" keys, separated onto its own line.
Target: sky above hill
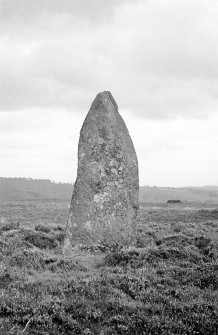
{"x": 159, "y": 59}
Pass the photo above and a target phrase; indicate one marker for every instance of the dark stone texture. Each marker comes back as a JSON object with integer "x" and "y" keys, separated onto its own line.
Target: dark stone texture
{"x": 105, "y": 197}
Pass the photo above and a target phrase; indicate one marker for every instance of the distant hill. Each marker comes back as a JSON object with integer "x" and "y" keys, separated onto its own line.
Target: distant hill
{"x": 28, "y": 189}
{"x": 163, "y": 194}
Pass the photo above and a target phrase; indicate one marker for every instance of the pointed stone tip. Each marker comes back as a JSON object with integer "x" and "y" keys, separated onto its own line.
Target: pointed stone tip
{"x": 107, "y": 96}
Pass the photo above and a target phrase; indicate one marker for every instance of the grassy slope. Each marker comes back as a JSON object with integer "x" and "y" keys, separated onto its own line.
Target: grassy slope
{"x": 25, "y": 189}
{"x": 166, "y": 284}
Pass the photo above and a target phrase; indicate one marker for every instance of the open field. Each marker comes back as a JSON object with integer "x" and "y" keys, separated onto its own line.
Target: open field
{"x": 167, "y": 283}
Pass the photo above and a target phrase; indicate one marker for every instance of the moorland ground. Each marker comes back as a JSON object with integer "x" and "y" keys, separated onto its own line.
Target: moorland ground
{"x": 166, "y": 283}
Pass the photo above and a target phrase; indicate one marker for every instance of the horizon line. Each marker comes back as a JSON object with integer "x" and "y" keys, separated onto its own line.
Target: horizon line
{"x": 71, "y": 183}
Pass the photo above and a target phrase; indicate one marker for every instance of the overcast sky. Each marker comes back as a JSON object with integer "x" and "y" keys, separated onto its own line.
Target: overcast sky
{"x": 159, "y": 59}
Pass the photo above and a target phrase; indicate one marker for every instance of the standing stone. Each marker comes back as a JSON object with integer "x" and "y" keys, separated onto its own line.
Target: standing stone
{"x": 105, "y": 197}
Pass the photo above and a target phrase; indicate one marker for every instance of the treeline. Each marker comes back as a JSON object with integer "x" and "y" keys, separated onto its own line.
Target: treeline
{"x": 29, "y": 188}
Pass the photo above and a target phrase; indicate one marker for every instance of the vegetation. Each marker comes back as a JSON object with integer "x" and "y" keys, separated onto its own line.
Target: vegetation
{"x": 29, "y": 188}
{"x": 39, "y": 189}
{"x": 166, "y": 283}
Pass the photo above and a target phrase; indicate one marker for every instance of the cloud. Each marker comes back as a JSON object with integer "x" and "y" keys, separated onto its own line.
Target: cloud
{"x": 43, "y": 144}
{"x": 159, "y": 58}
{"x": 25, "y": 11}
{"x": 176, "y": 152}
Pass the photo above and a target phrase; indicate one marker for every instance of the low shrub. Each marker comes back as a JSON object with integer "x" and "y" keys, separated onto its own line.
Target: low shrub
{"x": 208, "y": 214}
{"x": 40, "y": 240}
{"x": 59, "y": 237}
{"x": 175, "y": 240}
{"x": 202, "y": 242}
{"x": 42, "y": 228}
{"x": 5, "y": 279}
{"x": 9, "y": 226}
{"x": 124, "y": 257}
{"x": 28, "y": 259}
{"x": 166, "y": 254}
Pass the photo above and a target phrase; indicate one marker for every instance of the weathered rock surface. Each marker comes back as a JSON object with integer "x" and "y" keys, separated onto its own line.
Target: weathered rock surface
{"x": 105, "y": 197}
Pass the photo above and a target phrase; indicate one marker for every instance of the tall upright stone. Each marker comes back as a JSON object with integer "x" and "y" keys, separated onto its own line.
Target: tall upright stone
{"x": 105, "y": 197}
